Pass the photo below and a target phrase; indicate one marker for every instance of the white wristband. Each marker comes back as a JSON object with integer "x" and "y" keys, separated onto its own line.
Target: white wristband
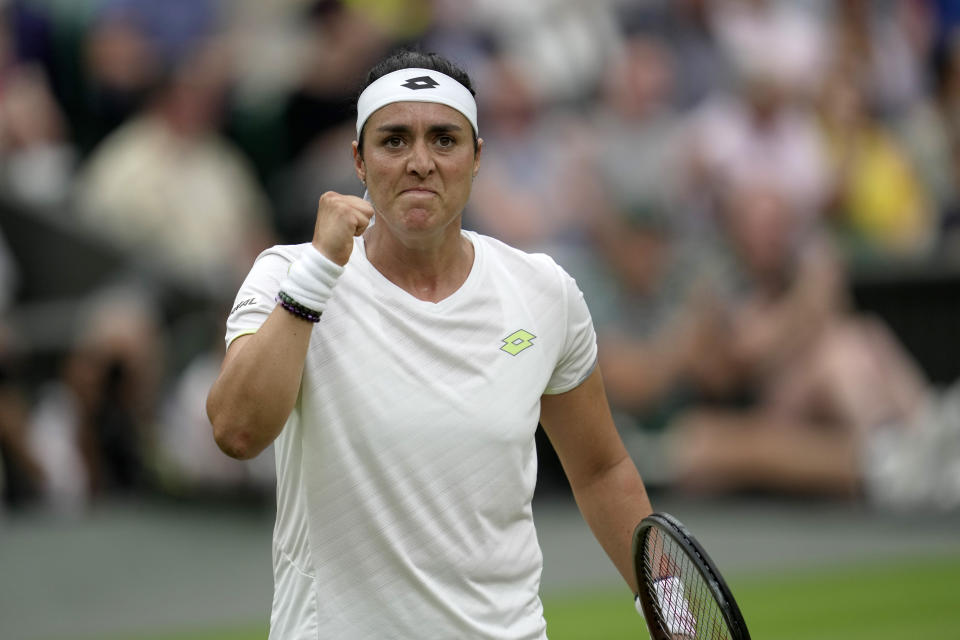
{"x": 311, "y": 279}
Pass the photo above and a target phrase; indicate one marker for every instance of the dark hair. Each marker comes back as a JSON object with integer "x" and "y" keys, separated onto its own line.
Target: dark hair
{"x": 413, "y": 59}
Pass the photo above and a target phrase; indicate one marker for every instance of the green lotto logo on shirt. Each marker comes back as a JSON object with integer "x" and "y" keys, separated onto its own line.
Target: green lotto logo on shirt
{"x": 517, "y": 342}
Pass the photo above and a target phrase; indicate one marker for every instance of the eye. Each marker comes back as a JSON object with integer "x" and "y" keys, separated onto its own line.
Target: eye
{"x": 445, "y": 141}
{"x": 393, "y": 142}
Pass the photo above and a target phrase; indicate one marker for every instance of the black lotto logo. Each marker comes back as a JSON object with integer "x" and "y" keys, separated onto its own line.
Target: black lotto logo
{"x": 423, "y": 82}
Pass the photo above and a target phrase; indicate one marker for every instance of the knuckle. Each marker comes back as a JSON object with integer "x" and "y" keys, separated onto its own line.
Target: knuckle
{"x": 329, "y": 197}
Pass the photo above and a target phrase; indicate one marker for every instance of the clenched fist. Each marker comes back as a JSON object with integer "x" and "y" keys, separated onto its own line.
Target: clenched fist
{"x": 340, "y": 218}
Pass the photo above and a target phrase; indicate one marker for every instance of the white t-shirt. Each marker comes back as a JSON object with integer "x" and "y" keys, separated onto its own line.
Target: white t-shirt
{"x": 407, "y": 467}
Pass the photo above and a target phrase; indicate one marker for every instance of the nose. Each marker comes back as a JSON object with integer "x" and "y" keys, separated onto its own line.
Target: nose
{"x": 420, "y": 160}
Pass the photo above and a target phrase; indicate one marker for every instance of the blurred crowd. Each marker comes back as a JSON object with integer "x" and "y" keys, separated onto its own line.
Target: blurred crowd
{"x": 711, "y": 171}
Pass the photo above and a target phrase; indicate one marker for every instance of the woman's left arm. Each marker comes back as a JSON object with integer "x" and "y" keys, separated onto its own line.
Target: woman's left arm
{"x": 605, "y": 482}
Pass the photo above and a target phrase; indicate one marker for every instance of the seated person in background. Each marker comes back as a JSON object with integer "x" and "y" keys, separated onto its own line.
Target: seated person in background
{"x": 649, "y": 260}
{"x": 91, "y": 429}
{"x": 167, "y": 186}
{"x": 36, "y": 156}
{"x": 879, "y": 207}
{"x": 823, "y": 378}
{"x": 660, "y": 342}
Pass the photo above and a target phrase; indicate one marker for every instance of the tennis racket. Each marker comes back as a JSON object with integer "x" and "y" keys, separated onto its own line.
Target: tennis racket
{"x": 682, "y": 594}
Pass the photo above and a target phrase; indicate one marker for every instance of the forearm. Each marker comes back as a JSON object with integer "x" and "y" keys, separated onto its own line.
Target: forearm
{"x": 258, "y": 385}
{"x": 613, "y": 503}
{"x": 605, "y": 482}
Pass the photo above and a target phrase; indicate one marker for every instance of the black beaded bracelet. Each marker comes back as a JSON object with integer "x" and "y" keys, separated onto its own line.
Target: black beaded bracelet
{"x": 298, "y": 309}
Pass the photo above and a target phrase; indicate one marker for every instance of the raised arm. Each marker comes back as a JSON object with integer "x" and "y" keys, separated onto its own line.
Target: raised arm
{"x": 259, "y": 381}
{"x": 258, "y": 385}
{"x": 604, "y": 479}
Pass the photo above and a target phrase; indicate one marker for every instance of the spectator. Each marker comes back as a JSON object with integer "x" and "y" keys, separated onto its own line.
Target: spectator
{"x": 702, "y": 67}
{"x": 559, "y": 46}
{"x": 36, "y": 158}
{"x": 762, "y": 37}
{"x": 823, "y": 378}
{"x": 530, "y": 193}
{"x": 91, "y": 429}
{"x": 341, "y": 44}
{"x": 879, "y": 205}
{"x": 652, "y": 266}
{"x": 175, "y": 28}
{"x": 634, "y": 129}
{"x": 885, "y": 44}
{"x": 457, "y": 34}
{"x": 121, "y": 67}
{"x": 657, "y": 334}
{"x": 758, "y": 133}
{"x": 402, "y": 21}
{"x": 168, "y": 186}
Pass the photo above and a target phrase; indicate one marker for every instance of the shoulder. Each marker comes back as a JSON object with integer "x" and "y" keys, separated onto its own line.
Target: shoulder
{"x": 276, "y": 260}
{"x": 282, "y": 253}
{"x": 533, "y": 275}
{"x": 517, "y": 261}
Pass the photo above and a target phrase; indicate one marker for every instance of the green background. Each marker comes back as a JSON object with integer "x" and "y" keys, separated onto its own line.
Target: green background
{"x": 905, "y": 598}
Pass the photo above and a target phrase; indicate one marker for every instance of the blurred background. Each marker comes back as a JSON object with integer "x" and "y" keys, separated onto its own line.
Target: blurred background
{"x": 760, "y": 200}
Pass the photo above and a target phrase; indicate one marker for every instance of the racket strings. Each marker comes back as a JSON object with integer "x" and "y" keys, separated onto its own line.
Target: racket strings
{"x": 685, "y": 601}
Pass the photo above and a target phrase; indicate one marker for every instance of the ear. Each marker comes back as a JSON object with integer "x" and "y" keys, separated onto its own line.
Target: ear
{"x": 358, "y": 164}
{"x": 476, "y": 157}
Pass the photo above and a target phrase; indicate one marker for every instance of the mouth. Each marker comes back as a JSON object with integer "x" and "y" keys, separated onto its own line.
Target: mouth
{"x": 422, "y": 191}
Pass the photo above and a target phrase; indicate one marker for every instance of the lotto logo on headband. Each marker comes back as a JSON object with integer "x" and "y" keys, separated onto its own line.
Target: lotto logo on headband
{"x": 422, "y": 82}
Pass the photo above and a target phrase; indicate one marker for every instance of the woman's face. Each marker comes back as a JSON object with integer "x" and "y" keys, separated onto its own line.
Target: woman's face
{"x": 418, "y": 162}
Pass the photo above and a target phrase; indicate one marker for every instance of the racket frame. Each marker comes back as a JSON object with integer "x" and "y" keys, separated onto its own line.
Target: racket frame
{"x": 673, "y": 528}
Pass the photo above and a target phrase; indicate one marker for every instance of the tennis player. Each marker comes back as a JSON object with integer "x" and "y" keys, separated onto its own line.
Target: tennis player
{"x": 400, "y": 365}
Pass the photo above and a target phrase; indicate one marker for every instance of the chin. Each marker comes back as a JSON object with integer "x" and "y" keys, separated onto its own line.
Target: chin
{"x": 418, "y": 219}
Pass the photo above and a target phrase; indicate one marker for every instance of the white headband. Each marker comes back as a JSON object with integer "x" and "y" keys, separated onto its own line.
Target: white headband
{"x": 416, "y": 85}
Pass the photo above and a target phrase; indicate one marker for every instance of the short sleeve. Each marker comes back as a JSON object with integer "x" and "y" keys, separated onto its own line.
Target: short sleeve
{"x": 578, "y": 357}
{"x": 257, "y": 296}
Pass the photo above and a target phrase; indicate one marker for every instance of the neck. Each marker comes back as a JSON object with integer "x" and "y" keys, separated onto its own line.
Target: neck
{"x": 427, "y": 270}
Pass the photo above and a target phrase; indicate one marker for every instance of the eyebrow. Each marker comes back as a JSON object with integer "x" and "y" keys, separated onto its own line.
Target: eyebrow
{"x": 434, "y": 128}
